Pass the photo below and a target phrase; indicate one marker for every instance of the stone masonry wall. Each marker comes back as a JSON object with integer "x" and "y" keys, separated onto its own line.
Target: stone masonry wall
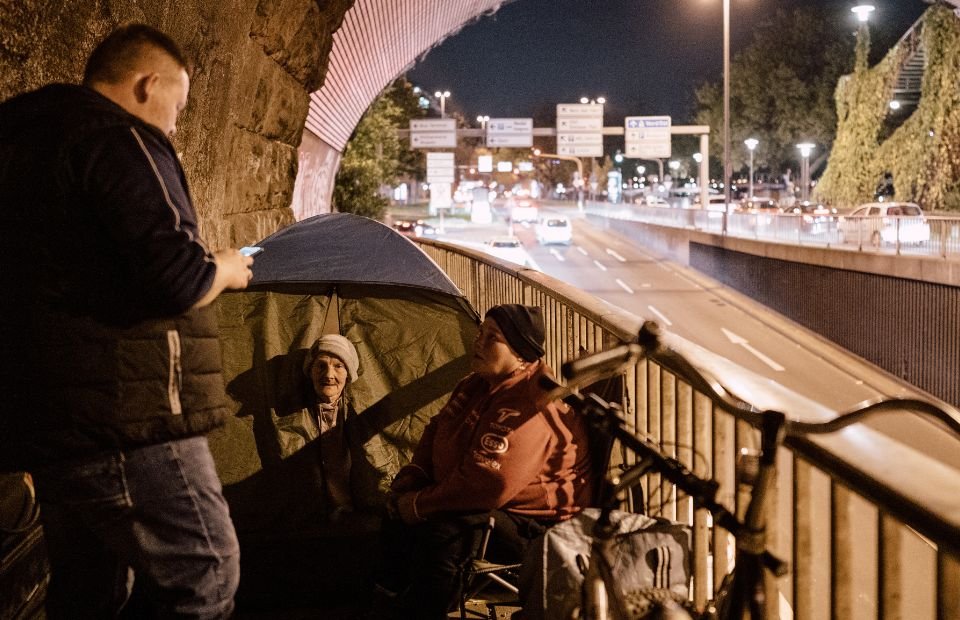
{"x": 256, "y": 63}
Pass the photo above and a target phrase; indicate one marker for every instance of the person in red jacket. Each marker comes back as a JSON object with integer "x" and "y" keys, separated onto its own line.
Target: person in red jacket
{"x": 499, "y": 446}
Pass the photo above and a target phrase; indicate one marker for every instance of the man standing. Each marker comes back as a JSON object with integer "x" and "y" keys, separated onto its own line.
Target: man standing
{"x": 111, "y": 372}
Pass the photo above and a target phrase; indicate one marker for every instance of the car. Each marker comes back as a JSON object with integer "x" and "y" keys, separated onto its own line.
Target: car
{"x": 511, "y": 249}
{"x": 815, "y": 219}
{"x": 524, "y": 211}
{"x": 715, "y": 202}
{"x": 650, "y": 200}
{"x": 764, "y": 210}
{"x": 414, "y": 228}
{"x": 554, "y": 229}
{"x": 879, "y": 223}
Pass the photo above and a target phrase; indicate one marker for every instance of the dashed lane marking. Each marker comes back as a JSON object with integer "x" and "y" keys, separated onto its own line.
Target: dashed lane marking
{"x": 660, "y": 316}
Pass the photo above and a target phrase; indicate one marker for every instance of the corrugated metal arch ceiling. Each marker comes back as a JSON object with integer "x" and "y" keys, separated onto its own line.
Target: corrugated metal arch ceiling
{"x": 379, "y": 40}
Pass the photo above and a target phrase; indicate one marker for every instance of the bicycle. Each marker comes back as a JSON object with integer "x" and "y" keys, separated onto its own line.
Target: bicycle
{"x": 745, "y": 588}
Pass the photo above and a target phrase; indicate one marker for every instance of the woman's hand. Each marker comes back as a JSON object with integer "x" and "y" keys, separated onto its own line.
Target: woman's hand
{"x": 409, "y": 479}
{"x": 407, "y": 508}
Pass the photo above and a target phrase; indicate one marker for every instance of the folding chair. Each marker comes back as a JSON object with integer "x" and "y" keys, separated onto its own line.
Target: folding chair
{"x": 480, "y": 573}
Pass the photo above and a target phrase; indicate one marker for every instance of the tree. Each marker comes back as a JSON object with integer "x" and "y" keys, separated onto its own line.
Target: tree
{"x": 374, "y": 156}
{"x": 781, "y": 89}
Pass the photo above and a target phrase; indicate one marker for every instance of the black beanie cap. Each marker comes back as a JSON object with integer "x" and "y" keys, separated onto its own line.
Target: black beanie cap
{"x": 522, "y": 326}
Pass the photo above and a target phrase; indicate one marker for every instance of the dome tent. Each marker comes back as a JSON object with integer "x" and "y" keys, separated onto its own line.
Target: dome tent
{"x": 413, "y": 329}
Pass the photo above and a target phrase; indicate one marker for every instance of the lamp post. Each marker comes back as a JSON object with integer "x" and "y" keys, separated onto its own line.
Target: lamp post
{"x": 442, "y": 96}
{"x": 751, "y": 144}
{"x": 805, "y": 149}
{"x": 726, "y": 108}
{"x": 600, "y": 100}
{"x": 483, "y": 121}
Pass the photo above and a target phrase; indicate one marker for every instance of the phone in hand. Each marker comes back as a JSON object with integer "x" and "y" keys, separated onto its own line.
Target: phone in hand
{"x": 251, "y": 250}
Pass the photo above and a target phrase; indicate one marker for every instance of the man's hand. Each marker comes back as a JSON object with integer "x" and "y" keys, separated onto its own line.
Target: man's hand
{"x": 233, "y": 272}
{"x": 235, "y": 268}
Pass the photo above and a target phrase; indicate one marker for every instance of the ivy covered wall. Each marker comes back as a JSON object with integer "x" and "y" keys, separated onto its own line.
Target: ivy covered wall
{"x": 923, "y": 154}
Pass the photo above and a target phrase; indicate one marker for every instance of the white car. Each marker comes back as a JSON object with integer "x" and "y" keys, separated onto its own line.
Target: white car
{"x": 554, "y": 229}
{"x": 878, "y": 223}
{"x": 510, "y": 249}
{"x": 524, "y": 211}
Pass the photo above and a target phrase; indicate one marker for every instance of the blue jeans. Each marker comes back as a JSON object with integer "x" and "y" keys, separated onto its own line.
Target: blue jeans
{"x": 157, "y": 513}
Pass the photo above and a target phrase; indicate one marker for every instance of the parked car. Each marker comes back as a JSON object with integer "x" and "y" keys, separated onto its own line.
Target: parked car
{"x": 815, "y": 219}
{"x": 879, "y": 223}
{"x": 650, "y": 200}
{"x": 554, "y": 229}
{"x": 715, "y": 202}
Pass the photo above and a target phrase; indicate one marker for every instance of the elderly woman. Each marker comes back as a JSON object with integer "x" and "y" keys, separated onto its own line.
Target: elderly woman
{"x": 499, "y": 446}
{"x": 330, "y": 364}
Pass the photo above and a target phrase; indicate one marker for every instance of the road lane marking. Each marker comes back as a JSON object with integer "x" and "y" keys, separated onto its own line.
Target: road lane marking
{"x": 557, "y": 254}
{"x": 581, "y": 250}
{"x": 740, "y": 340}
{"x": 646, "y": 285}
{"x": 624, "y": 286}
{"x": 660, "y": 315}
{"x": 599, "y": 265}
{"x": 616, "y": 256}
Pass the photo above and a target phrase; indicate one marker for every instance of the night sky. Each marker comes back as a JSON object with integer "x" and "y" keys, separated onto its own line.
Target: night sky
{"x": 645, "y": 56}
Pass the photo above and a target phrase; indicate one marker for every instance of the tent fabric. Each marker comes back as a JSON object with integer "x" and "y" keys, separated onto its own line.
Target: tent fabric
{"x": 342, "y": 247}
{"x": 413, "y": 345}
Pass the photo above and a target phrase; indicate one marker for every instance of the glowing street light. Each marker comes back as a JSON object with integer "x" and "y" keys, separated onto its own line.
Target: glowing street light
{"x": 751, "y": 144}
{"x": 483, "y": 121}
{"x": 442, "y": 96}
{"x": 863, "y": 11}
{"x": 600, "y": 100}
{"x": 805, "y": 149}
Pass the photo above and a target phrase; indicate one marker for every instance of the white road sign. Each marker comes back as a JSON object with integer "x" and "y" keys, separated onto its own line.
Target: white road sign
{"x": 594, "y": 124}
{"x": 647, "y": 137}
{"x": 580, "y": 150}
{"x": 579, "y": 109}
{"x": 514, "y": 132}
{"x": 433, "y": 133}
{"x": 433, "y": 140}
{"x": 579, "y": 138}
{"x": 433, "y": 124}
{"x": 580, "y": 129}
{"x": 440, "y": 168}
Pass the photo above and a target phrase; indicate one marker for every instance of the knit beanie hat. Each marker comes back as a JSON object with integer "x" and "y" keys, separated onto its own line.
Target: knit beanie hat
{"x": 338, "y": 346}
{"x": 522, "y": 326}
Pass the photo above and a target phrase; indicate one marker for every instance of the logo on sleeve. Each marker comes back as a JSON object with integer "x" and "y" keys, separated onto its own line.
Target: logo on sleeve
{"x": 494, "y": 443}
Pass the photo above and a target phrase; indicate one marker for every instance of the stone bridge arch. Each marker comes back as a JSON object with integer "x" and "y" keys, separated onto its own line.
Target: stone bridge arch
{"x": 279, "y": 86}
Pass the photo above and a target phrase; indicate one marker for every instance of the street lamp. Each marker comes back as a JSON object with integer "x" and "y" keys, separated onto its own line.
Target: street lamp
{"x": 751, "y": 144}
{"x": 726, "y": 108}
{"x": 600, "y": 100}
{"x": 805, "y": 149}
{"x": 443, "y": 101}
{"x": 862, "y": 11}
{"x": 483, "y": 121}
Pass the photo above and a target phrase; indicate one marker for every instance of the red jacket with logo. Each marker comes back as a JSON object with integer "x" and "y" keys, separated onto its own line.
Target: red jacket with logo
{"x": 504, "y": 446}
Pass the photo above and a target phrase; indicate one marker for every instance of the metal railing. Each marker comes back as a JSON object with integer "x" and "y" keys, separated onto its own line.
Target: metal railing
{"x": 863, "y": 541}
{"x": 934, "y": 236}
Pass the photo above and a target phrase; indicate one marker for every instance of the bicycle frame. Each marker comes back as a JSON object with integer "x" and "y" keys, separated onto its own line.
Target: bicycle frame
{"x": 745, "y": 589}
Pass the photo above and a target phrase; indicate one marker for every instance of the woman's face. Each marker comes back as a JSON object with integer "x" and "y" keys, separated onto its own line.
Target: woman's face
{"x": 492, "y": 356}
{"x": 329, "y": 376}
